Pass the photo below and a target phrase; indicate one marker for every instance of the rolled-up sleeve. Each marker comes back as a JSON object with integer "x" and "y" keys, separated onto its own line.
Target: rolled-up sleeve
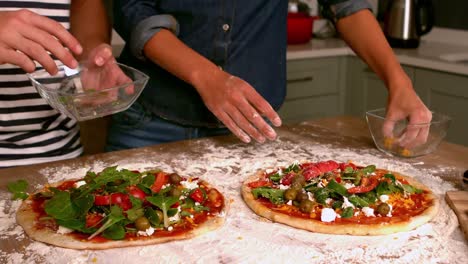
{"x": 343, "y": 8}
{"x": 139, "y": 20}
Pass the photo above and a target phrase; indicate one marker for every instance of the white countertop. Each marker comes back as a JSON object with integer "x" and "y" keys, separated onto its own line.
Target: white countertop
{"x": 430, "y": 54}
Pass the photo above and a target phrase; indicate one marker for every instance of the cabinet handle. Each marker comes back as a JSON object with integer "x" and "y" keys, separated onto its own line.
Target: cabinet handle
{"x": 304, "y": 79}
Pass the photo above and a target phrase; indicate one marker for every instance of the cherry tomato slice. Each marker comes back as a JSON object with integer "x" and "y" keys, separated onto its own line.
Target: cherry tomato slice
{"x": 197, "y": 195}
{"x": 92, "y": 220}
{"x": 102, "y": 199}
{"x": 367, "y": 185}
{"x": 136, "y": 192}
{"x": 287, "y": 179}
{"x": 311, "y": 172}
{"x": 122, "y": 200}
{"x": 161, "y": 179}
{"x": 259, "y": 183}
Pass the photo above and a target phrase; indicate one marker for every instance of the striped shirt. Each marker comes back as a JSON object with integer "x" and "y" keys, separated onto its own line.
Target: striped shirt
{"x": 30, "y": 130}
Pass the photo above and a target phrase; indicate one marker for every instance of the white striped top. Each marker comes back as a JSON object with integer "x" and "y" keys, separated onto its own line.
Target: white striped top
{"x": 30, "y": 130}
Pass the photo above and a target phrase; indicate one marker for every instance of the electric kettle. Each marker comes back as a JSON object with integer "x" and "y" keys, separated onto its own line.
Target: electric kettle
{"x": 406, "y": 20}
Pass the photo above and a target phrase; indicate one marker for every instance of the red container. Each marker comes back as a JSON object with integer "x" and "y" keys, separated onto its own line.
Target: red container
{"x": 300, "y": 28}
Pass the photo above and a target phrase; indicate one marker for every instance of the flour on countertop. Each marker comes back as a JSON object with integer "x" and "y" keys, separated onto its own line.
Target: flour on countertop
{"x": 248, "y": 238}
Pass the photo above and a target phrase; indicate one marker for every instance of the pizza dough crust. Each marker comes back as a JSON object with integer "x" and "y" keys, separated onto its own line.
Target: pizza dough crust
{"x": 340, "y": 228}
{"x": 26, "y": 217}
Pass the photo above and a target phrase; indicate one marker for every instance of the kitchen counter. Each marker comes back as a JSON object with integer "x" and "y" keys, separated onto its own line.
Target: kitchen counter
{"x": 245, "y": 237}
{"x": 430, "y": 54}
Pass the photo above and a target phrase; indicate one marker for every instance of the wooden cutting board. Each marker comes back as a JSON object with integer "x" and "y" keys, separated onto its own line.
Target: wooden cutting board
{"x": 458, "y": 201}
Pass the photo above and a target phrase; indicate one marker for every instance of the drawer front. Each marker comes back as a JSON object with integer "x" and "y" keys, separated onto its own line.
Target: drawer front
{"x": 309, "y": 108}
{"x": 312, "y": 77}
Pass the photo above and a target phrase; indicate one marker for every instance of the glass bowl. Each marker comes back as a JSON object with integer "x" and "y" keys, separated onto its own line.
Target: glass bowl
{"x": 90, "y": 92}
{"x": 406, "y": 140}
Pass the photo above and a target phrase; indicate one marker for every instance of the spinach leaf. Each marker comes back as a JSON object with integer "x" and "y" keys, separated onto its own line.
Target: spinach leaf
{"x": 410, "y": 189}
{"x": 369, "y": 169}
{"x": 18, "y": 189}
{"x": 134, "y": 213}
{"x": 163, "y": 203}
{"x": 293, "y": 167}
{"x": 76, "y": 224}
{"x": 199, "y": 208}
{"x": 347, "y": 212}
{"x": 61, "y": 207}
{"x": 114, "y": 232}
{"x": 148, "y": 180}
{"x": 358, "y": 201}
{"x": 276, "y": 177}
{"x": 152, "y": 216}
{"x": 84, "y": 203}
{"x": 321, "y": 195}
{"x": 369, "y": 197}
{"x": 390, "y": 176}
{"x": 338, "y": 188}
{"x": 386, "y": 188}
{"x": 274, "y": 195}
{"x": 348, "y": 169}
{"x": 115, "y": 216}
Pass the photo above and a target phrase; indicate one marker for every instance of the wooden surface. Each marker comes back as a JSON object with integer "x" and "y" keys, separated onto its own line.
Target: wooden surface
{"x": 458, "y": 201}
{"x": 342, "y": 131}
{"x": 339, "y": 132}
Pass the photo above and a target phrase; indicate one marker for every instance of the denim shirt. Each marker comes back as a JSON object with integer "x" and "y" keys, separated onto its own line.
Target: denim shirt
{"x": 246, "y": 38}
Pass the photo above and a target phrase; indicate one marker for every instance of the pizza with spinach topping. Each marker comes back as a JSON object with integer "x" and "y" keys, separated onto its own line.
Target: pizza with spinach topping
{"x": 340, "y": 198}
{"x": 121, "y": 208}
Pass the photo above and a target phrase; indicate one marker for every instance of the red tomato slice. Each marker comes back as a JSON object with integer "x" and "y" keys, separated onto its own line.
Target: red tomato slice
{"x": 122, "y": 200}
{"x": 161, "y": 179}
{"x": 311, "y": 172}
{"x": 102, "y": 199}
{"x": 197, "y": 195}
{"x": 306, "y": 165}
{"x": 259, "y": 183}
{"x": 287, "y": 179}
{"x": 93, "y": 220}
{"x": 332, "y": 165}
{"x": 343, "y": 166}
{"x": 136, "y": 192}
{"x": 367, "y": 185}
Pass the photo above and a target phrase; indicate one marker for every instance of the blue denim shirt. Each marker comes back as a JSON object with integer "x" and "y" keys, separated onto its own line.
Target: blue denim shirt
{"x": 246, "y": 38}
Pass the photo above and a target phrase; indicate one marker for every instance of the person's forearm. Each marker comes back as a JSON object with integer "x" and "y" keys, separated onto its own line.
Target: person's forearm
{"x": 363, "y": 34}
{"x": 89, "y": 23}
{"x": 166, "y": 50}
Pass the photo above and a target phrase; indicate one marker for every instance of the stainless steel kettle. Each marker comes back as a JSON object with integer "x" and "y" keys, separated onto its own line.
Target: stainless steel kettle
{"x": 406, "y": 20}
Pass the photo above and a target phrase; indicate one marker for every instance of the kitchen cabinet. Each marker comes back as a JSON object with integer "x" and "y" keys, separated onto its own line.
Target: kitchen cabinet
{"x": 448, "y": 94}
{"x": 323, "y": 87}
{"x": 364, "y": 89}
{"x": 314, "y": 88}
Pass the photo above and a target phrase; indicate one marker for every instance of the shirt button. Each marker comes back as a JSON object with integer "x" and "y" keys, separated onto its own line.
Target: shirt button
{"x": 226, "y": 27}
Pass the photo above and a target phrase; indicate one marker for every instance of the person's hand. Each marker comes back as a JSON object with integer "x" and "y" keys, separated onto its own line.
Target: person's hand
{"x": 241, "y": 109}
{"x": 404, "y": 103}
{"x": 26, "y": 36}
{"x": 101, "y": 72}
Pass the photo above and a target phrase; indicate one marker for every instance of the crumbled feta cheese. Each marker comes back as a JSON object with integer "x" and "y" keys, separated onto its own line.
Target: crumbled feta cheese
{"x": 356, "y": 213}
{"x": 147, "y": 232}
{"x": 320, "y": 184}
{"x": 175, "y": 217}
{"x": 268, "y": 171}
{"x": 189, "y": 184}
{"x": 311, "y": 196}
{"x": 78, "y": 184}
{"x": 390, "y": 211}
{"x": 328, "y": 215}
{"x": 289, "y": 202}
{"x": 64, "y": 230}
{"x": 165, "y": 186}
{"x": 346, "y": 203}
{"x": 383, "y": 198}
{"x": 349, "y": 185}
{"x": 283, "y": 187}
{"x": 328, "y": 200}
{"x": 182, "y": 197}
{"x": 368, "y": 211}
{"x": 170, "y": 228}
{"x": 197, "y": 203}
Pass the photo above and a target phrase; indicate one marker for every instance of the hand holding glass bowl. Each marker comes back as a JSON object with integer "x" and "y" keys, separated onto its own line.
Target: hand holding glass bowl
{"x": 396, "y": 141}
{"x": 90, "y": 91}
